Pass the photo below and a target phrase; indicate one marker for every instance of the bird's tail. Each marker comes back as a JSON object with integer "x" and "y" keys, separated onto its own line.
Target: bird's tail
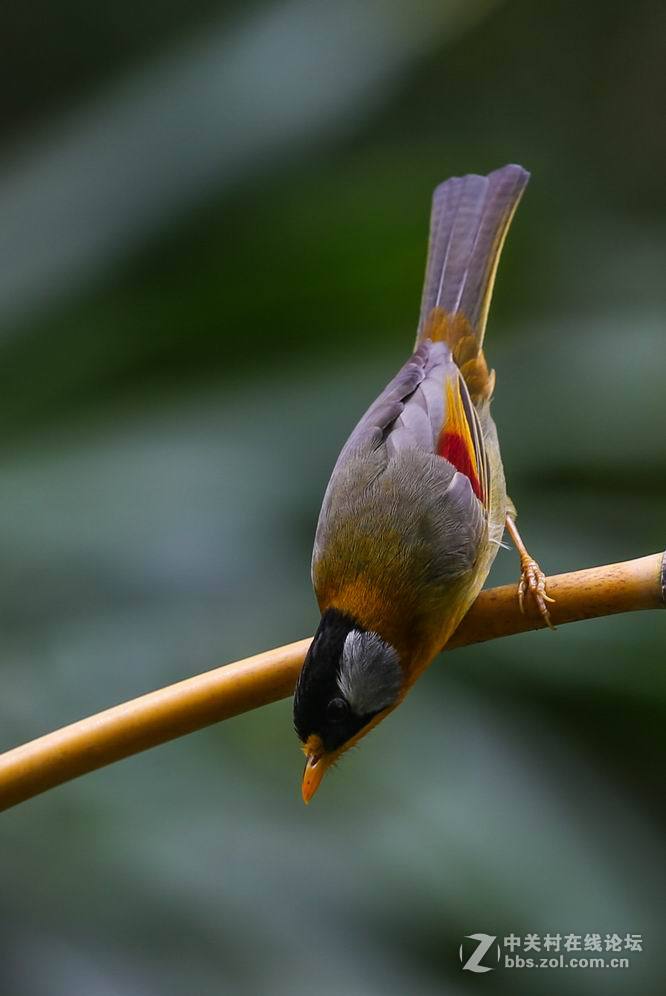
{"x": 468, "y": 224}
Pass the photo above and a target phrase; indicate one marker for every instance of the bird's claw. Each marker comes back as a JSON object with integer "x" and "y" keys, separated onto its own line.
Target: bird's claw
{"x": 533, "y": 583}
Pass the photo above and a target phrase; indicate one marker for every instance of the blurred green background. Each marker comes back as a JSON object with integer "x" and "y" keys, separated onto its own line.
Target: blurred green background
{"x": 213, "y": 225}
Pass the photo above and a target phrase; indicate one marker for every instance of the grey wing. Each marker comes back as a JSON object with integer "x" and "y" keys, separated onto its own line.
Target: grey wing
{"x": 396, "y": 440}
{"x": 410, "y": 410}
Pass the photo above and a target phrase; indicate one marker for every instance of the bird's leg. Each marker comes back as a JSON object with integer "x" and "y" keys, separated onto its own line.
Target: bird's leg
{"x": 532, "y": 578}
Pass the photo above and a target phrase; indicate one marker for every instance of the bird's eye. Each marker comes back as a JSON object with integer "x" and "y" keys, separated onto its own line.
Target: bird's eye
{"x": 337, "y": 709}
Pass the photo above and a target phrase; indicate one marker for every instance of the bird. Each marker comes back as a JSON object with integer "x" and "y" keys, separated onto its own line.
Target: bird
{"x": 416, "y": 506}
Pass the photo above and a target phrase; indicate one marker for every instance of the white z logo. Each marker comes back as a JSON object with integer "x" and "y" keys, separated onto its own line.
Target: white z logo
{"x": 473, "y": 963}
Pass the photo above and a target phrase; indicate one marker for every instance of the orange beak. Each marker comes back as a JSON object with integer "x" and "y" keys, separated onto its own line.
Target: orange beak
{"x": 318, "y": 761}
{"x": 315, "y": 769}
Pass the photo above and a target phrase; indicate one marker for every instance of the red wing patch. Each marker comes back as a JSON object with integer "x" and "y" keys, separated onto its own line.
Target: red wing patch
{"x": 459, "y": 442}
{"x": 454, "y": 448}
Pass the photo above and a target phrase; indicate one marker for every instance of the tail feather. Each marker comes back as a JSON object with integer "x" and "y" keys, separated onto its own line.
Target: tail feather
{"x": 470, "y": 218}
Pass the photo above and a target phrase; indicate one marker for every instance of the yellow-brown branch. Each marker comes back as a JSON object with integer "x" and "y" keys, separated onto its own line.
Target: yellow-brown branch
{"x": 236, "y": 688}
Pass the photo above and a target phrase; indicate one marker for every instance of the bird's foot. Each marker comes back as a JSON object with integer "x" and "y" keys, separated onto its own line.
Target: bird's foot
{"x": 532, "y": 585}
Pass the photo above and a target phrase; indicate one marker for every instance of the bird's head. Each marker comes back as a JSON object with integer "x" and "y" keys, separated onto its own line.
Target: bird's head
{"x": 351, "y": 678}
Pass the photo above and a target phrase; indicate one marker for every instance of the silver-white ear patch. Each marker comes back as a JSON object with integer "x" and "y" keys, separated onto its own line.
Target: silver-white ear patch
{"x": 370, "y": 676}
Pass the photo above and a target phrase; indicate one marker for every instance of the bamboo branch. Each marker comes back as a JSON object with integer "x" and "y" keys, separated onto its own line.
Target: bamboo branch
{"x": 207, "y": 698}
